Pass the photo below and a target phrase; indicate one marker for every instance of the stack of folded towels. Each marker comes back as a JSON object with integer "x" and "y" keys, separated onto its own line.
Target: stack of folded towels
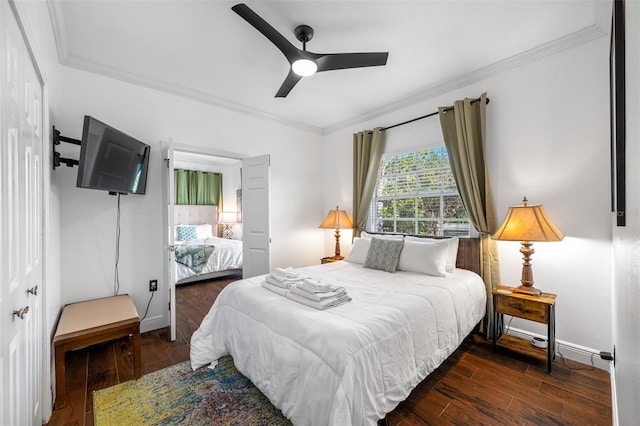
{"x": 281, "y": 280}
{"x": 308, "y": 291}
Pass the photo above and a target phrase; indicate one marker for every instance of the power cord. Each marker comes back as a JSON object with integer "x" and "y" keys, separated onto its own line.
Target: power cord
{"x": 562, "y": 359}
{"x": 116, "y": 284}
{"x": 593, "y": 367}
{"x": 148, "y": 304}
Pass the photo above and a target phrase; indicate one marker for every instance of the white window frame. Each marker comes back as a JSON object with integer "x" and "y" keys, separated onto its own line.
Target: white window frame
{"x": 447, "y": 226}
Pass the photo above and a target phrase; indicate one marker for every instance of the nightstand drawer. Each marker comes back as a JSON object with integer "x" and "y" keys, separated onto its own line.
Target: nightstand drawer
{"x": 522, "y": 309}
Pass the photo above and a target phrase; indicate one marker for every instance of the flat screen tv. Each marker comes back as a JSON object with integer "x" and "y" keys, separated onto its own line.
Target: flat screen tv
{"x": 111, "y": 160}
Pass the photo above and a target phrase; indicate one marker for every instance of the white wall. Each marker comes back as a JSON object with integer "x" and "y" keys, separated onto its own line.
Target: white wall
{"x": 626, "y": 244}
{"x": 88, "y": 217}
{"x": 547, "y": 139}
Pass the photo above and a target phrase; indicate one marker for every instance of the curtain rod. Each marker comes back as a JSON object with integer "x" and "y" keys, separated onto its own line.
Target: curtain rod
{"x": 425, "y": 116}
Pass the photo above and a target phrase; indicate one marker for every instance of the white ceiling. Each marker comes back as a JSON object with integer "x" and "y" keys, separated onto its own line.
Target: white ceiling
{"x": 203, "y": 50}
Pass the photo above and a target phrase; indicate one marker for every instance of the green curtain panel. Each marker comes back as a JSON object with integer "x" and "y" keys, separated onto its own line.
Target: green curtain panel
{"x": 194, "y": 187}
{"x": 368, "y": 147}
{"x": 463, "y": 129}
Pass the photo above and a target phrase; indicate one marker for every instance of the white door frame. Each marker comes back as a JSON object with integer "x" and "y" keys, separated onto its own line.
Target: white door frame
{"x": 168, "y": 235}
{"x": 169, "y": 149}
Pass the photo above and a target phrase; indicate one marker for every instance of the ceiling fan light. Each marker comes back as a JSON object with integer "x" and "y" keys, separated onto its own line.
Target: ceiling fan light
{"x": 304, "y": 67}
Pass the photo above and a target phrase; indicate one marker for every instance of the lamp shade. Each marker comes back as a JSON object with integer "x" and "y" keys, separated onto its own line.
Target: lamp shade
{"x": 336, "y": 219}
{"x": 527, "y": 223}
{"x": 228, "y": 217}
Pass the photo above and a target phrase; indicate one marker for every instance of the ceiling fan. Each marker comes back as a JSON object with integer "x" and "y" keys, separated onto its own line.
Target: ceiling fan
{"x": 305, "y": 63}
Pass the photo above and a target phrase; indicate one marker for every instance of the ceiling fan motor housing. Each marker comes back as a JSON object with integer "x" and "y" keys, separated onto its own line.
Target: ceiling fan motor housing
{"x": 303, "y": 33}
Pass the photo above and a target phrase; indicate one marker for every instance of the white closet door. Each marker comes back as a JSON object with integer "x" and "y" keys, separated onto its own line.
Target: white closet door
{"x": 21, "y": 245}
{"x": 256, "y": 238}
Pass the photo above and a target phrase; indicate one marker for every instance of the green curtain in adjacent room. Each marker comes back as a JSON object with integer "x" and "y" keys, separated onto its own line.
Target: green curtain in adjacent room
{"x": 368, "y": 147}
{"x": 194, "y": 187}
{"x": 463, "y": 129}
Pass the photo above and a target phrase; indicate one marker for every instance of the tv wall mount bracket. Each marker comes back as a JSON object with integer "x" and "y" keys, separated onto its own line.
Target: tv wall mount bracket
{"x": 57, "y": 159}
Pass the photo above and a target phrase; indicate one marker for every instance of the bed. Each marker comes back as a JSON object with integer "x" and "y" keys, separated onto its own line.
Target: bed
{"x": 195, "y": 230}
{"x": 352, "y": 364}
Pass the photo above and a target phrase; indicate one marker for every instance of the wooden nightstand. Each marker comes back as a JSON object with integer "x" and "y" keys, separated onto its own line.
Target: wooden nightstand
{"x": 540, "y": 309}
{"x": 329, "y": 260}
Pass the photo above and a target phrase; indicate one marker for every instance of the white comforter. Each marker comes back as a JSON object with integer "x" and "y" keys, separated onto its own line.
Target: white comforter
{"x": 226, "y": 255}
{"x": 348, "y": 365}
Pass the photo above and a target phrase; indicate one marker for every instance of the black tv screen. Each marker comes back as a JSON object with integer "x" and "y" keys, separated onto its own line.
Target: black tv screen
{"x": 111, "y": 160}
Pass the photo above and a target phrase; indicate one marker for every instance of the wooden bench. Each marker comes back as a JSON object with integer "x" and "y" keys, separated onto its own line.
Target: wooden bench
{"x": 95, "y": 321}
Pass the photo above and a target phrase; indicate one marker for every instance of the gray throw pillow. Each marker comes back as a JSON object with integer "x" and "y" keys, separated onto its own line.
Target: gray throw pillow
{"x": 383, "y": 254}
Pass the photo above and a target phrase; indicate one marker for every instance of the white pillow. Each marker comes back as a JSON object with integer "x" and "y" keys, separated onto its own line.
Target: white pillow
{"x": 364, "y": 234}
{"x": 203, "y": 231}
{"x": 425, "y": 258}
{"x": 359, "y": 250}
{"x": 452, "y": 254}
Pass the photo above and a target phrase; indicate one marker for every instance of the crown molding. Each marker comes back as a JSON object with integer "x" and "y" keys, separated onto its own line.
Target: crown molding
{"x": 184, "y": 92}
{"x": 594, "y": 31}
{"x": 452, "y": 83}
{"x": 57, "y": 23}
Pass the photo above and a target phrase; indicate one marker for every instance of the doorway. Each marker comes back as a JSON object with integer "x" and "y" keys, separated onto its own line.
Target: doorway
{"x": 227, "y": 250}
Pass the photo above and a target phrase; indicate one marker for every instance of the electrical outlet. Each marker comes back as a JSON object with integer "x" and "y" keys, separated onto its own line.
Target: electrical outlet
{"x": 153, "y": 285}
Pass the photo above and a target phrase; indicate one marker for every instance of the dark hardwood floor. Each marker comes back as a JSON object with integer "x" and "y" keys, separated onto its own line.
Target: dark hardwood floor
{"x": 473, "y": 387}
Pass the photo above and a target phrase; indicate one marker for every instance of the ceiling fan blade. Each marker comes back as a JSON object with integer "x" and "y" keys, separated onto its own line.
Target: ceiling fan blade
{"x": 289, "y": 50}
{"x": 291, "y": 80}
{"x": 339, "y": 61}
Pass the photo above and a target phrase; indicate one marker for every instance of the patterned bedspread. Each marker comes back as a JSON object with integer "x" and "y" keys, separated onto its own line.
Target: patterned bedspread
{"x": 194, "y": 256}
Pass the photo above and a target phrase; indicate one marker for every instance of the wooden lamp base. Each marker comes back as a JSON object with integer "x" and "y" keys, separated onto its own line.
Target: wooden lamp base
{"x": 337, "y": 255}
{"x": 527, "y": 272}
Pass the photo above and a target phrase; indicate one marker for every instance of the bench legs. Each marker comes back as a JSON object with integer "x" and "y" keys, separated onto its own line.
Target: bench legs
{"x": 62, "y": 346}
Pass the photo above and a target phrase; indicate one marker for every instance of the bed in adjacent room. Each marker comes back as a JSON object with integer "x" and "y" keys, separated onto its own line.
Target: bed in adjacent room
{"x": 199, "y": 254}
{"x": 353, "y": 363}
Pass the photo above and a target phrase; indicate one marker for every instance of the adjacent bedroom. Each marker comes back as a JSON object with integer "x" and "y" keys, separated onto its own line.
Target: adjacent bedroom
{"x": 207, "y": 226}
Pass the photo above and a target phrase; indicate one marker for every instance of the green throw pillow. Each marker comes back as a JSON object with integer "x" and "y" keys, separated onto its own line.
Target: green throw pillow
{"x": 383, "y": 254}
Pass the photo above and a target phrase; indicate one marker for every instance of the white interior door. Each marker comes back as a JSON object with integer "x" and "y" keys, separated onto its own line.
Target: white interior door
{"x": 256, "y": 238}
{"x": 21, "y": 246}
{"x": 169, "y": 239}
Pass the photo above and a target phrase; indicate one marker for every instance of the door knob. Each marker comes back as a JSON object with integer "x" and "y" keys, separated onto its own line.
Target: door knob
{"x": 33, "y": 290}
{"x": 20, "y": 313}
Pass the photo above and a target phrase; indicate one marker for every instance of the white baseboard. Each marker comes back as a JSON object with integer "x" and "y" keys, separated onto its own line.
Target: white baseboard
{"x": 578, "y": 353}
{"x": 153, "y": 323}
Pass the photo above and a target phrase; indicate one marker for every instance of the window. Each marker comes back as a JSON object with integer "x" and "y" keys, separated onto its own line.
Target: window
{"x": 416, "y": 194}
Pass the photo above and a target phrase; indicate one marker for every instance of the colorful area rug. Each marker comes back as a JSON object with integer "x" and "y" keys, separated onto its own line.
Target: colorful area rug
{"x": 179, "y": 396}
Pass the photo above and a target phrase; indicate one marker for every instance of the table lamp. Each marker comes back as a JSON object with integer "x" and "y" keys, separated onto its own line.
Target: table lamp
{"x": 337, "y": 219}
{"x": 227, "y": 219}
{"x": 527, "y": 224}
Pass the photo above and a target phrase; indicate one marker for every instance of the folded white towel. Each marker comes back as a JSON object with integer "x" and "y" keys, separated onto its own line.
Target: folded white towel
{"x": 278, "y": 276}
{"x": 278, "y": 283}
{"x": 316, "y": 284}
{"x": 287, "y": 272}
{"x": 307, "y": 288}
{"x": 279, "y": 290}
{"x": 331, "y": 302}
{"x": 318, "y": 297}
